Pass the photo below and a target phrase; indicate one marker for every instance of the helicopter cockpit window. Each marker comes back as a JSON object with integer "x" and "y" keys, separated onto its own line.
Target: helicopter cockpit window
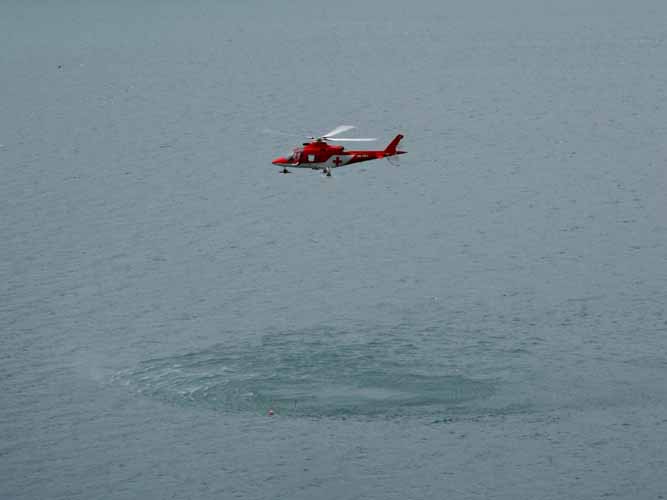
{"x": 294, "y": 156}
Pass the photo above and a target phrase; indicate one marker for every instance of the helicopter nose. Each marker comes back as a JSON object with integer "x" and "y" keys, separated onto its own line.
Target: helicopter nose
{"x": 281, "y": 160}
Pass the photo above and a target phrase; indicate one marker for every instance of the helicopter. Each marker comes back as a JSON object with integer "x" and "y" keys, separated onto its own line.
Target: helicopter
{"x": 319, "y": 155}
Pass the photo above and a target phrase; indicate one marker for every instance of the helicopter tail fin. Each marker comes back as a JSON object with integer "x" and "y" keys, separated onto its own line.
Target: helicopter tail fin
{"x": 391, "y": 148}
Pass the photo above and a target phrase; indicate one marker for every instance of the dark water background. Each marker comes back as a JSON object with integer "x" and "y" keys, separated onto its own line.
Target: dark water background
{"x": 485, "y": 321}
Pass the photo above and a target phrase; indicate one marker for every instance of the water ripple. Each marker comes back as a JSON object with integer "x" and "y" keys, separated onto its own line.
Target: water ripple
{"x": 320, "y": 377}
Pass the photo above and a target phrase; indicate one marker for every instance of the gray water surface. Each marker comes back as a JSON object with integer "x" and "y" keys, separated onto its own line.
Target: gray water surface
{"x": 486, "y": 320}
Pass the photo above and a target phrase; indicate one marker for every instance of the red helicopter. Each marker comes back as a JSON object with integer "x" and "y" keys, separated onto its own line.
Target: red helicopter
{"x": 318, "y": 155}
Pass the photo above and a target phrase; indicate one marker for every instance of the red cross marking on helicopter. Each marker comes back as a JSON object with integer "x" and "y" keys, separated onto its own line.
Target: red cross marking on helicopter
{"x": 338, "y": 161}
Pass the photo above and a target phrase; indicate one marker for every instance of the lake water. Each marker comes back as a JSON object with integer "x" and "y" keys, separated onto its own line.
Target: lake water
{"x": 486, "y": 320}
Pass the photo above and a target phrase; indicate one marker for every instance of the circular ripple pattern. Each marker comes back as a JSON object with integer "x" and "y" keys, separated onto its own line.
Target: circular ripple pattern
{"x": 333, "y": 374}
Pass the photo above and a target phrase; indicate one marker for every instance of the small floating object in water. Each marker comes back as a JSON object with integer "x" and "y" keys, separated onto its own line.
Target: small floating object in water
{"x": 270, "y": 412}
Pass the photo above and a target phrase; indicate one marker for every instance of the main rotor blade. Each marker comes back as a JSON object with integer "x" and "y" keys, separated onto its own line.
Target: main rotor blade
{"x": 338, "y": 130}
{"x": 354, "y": 139}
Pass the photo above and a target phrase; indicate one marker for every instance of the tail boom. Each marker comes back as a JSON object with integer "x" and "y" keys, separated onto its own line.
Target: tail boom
{"x": 361, "y": 156}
